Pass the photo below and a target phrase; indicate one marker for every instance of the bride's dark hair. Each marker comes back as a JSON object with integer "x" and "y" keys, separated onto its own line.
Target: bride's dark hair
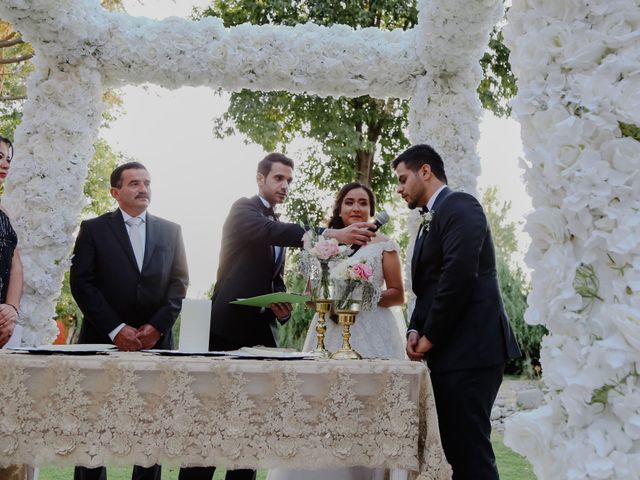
{"x": 335, "y": 221}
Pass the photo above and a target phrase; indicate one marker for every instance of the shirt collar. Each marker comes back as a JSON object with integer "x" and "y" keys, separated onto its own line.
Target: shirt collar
{"x": 126, "y": 216}
{"x": 264, "y": 202}
{"x": 432, "y": 200}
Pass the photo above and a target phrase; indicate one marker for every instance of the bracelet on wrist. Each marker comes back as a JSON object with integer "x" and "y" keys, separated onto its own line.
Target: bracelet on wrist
{"x": 15, "y": 308}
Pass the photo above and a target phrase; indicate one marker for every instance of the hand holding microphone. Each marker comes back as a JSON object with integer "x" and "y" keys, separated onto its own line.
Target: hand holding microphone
{"x": 381, "y": 219}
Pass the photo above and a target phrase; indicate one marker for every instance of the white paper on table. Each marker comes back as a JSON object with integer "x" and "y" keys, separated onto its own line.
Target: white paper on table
{"x": 195, "y": 320}
{"x": 15, "y": 339}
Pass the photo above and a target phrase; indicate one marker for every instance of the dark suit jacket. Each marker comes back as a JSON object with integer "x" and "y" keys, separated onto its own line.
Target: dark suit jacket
{"x": 458, "y": 305}
{"x": 110, "y": 290}
{"x": 248, "y": 268}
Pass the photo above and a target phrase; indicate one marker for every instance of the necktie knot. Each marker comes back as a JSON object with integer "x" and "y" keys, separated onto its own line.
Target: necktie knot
{"x": 134, "y": 222}
{"x": 135, "y": 236}
{"x": 424, "y": 209}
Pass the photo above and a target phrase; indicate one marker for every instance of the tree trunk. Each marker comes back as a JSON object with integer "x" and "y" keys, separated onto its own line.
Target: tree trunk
{"x": 365, "y": 166}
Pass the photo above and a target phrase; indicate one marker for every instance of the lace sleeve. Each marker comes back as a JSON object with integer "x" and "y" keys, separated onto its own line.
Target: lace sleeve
{"x": 391, "y": 246}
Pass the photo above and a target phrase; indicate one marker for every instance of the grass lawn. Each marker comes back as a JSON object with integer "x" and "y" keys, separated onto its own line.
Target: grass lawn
{"x": 511, "y": 466}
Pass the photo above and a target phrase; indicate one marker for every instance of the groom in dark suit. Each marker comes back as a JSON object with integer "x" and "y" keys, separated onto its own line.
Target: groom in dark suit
{"x": 252, "y": 263}
{"x": 458, "y": 325}
{"x": 128, "y": 276}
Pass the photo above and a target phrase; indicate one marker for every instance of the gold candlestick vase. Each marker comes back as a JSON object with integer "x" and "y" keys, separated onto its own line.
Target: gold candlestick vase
{"x": 346, "y": 318}
{"x": 322, "y": 307}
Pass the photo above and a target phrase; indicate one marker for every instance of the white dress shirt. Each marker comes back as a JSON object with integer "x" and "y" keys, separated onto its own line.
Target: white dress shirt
{"x": 430, "y": 205}
{"x": 143, "y": 236}
{"x": 276, "y": 248}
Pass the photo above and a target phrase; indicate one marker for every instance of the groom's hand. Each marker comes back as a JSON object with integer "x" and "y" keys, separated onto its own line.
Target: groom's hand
{"x": 359, "y": 233}
{"x": 424, "y": 345}
{"x": 412, "y": 343}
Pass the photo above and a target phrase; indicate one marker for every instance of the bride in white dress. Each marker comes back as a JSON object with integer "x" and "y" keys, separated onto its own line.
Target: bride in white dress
{"x": 379, "y": 333}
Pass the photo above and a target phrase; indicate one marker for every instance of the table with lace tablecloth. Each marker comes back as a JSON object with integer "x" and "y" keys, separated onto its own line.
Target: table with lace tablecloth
{"x": 140, "y": 408}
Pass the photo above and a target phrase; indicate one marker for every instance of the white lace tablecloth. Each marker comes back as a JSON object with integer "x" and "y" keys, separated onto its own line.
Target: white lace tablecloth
{"x": 137, "y": 408}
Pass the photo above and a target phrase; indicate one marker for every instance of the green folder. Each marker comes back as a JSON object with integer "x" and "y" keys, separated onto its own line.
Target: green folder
{"x": 270, "y": 298}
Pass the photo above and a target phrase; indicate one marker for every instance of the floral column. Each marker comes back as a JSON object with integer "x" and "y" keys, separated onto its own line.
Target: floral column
{"x": 54, "y": 144}
{"x": 445, "y": 110}
{"x": 578, "y": 104}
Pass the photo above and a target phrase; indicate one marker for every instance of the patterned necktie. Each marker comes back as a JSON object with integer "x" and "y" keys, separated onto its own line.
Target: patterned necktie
{"x": 271, "y": 214}
{"x": 268, "y": 211}
{"x": 135, "y": 223}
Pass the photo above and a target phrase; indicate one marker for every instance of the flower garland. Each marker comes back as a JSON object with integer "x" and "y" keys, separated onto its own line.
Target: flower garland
{"x": 445, "y": 110}
{"x": 578, "y": 75}
{"x": 336, "y": 60}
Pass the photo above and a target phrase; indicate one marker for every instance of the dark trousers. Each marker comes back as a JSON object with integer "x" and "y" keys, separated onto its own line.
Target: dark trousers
{"x": 100, "y": 473}
{"x": 206, "y": 473}
{"x": 464, "y": 399}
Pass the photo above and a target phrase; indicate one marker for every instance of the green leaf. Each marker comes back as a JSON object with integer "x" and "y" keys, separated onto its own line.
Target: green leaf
{"x": 630, "y": 130}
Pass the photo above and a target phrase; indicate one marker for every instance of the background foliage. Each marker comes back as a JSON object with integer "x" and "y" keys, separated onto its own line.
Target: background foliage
{"x": 514, "y": 284}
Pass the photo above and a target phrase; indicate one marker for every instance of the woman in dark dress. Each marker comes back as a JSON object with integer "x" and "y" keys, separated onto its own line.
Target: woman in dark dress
{"x": 10, "y": 264}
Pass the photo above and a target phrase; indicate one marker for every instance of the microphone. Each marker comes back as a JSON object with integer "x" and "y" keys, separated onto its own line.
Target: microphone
{"x": 382, "y": 218}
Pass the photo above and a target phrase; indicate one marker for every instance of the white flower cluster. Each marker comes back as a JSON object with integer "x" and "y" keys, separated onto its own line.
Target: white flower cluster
{"x": 336, "y": 60}
{"x": 44, "y": 192}
{"x": 578, "y": 69}
{"x": 451, "y": 36}
{"x": 445, "y": 109}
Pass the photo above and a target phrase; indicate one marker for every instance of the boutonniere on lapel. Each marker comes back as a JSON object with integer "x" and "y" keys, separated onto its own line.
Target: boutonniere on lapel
{"x": 426, "y": 219}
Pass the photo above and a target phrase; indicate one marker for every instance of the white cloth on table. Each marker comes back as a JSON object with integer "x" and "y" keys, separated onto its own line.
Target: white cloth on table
{"x": 379, "y": 333}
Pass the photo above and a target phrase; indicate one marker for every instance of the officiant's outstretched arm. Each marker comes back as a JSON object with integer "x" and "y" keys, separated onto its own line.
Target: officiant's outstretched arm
{"x": 252, "y": 257}
{"x": 458, "y": 325}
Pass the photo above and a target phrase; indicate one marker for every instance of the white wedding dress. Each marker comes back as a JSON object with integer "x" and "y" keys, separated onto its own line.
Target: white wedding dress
{"x": 379, "y": 333}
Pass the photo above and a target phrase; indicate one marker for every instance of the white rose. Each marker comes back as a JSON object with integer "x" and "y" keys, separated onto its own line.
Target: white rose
{"x": 622, "y": 153}
{"x": 621, "y": 27}
{"x": 627, "y": 320}
{"x": 530, "y": 434}
{"x": 561, "y": 357}
{"x": 546, "y": 227}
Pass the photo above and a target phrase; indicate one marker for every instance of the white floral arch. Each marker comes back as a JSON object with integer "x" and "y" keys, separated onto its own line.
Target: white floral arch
{"x": 578, "y": 68}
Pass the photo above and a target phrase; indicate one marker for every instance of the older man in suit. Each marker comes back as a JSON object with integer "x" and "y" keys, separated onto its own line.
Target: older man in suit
{"x": 129, "y": 277}
{"x": 458, "y": 324}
